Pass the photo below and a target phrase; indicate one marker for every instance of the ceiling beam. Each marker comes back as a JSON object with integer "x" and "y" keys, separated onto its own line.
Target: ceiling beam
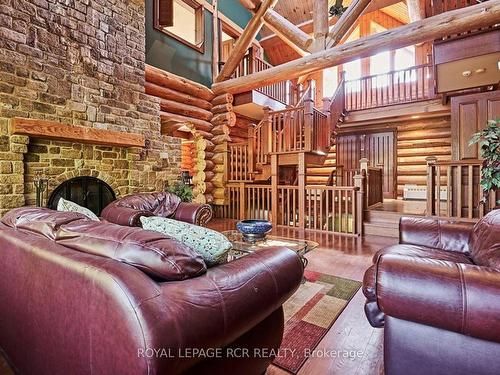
{"x": 448, "y": 23}
{"x": 245, "y": 41}
{"x": 288, "y": 32}
{"x": 320, "y": 25}
{"x": 346, "y": 22}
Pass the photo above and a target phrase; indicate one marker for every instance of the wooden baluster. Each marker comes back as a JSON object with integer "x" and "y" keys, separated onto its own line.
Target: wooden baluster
{"x": 242, "y": 201}
{"x": 438, "y": 188}
{"x": 459, "y": 191}
{"x": 449, "y": 208}
{"x": 358, "y": 215}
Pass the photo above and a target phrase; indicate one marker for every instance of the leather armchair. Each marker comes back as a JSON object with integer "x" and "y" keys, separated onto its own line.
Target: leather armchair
{"x": 437, "y": 294}
{"x": 128, "y": 210}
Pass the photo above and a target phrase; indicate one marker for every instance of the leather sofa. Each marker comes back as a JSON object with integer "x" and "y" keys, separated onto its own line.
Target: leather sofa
{"x": 84, "y": 297}
{"x": 437, "y": 295}
{"x": 129, "y": 209}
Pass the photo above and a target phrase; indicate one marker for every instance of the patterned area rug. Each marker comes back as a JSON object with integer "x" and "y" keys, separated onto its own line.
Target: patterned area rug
{"x": 310, "y": 313}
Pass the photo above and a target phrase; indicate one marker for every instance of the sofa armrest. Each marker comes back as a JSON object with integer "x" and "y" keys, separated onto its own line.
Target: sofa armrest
{"x": 193, "y": 213}
{"x": 457, "y": 297}
{"x": 123, "y": 215}
{"x": 436, "y": 233}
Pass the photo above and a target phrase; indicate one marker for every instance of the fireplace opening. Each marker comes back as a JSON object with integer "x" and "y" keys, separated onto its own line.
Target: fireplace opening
{"x": 89, "y": 192}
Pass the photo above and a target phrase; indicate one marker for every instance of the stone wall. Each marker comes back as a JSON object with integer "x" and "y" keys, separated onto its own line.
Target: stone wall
{"x": 80, "y": 63}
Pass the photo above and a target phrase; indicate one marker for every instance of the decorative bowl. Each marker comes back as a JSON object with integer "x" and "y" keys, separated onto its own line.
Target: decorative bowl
{"x": 253, "y": 229}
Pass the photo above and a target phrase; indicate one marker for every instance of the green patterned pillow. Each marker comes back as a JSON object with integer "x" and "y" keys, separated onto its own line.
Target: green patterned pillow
{"x": 65, "y": 205}
{"x": 211, "y": 245}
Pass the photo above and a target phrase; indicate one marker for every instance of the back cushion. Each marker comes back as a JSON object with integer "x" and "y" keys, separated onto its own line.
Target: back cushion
{"x": 161, "y": 204}
{"x": 151, "y": 252}
{"x": 485, "y": 241}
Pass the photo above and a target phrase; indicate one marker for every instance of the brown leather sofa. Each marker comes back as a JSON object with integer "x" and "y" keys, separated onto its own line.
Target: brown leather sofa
{"x": 437, "y": 295}
{"x": 129, "y": 209}
{"x": 84, "y": 297}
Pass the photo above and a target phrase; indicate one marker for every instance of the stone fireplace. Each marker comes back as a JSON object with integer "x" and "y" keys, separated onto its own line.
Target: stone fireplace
{"x": 79, "y": 64}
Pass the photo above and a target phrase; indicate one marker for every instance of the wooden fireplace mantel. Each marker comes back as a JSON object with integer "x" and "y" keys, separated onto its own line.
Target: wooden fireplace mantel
{"x": 74, "y": 133}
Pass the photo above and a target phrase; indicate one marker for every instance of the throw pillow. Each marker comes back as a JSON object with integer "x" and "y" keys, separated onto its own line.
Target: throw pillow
{"x": 211, "y": 245}
{"x": 65, "y": 205}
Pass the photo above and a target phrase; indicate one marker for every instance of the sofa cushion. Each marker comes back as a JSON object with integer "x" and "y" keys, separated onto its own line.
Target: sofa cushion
{"x": 485, "y": 241}
{"x": 153, "y": 253}
{"x": 418, "y": 251}
{"x": 69, "y": 206}
{"x": 211, "y": 245}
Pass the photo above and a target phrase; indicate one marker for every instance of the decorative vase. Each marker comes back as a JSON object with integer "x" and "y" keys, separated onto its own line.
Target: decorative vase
{"x": 254, "y": 230}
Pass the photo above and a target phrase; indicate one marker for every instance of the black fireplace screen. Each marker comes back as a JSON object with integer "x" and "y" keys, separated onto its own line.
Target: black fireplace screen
{"x": 88, "y": 192}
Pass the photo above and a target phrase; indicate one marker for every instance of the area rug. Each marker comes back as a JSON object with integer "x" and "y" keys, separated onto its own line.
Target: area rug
{"x": 309, "y": 314}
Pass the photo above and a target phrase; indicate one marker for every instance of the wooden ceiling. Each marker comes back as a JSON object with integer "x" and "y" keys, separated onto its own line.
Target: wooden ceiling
{"x": 299, "y": 12}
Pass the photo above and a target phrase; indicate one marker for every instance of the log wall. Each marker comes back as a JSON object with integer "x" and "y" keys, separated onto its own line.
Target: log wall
{"x": 186, "y": 112}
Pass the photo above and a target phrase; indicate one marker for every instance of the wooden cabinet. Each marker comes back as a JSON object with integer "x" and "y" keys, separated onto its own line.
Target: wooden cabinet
{"x": 469, "y": 114}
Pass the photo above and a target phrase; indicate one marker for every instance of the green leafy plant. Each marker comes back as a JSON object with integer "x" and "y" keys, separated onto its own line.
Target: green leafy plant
{"x": 489, "y": 145}
{"x": 184, "y": 192}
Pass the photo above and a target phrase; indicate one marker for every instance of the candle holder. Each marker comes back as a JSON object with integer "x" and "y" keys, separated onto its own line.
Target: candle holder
{"x": 41, "y": 183}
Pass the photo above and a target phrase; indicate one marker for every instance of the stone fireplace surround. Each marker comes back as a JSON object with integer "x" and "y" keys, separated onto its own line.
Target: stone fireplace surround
{"x": 78, "y": 63}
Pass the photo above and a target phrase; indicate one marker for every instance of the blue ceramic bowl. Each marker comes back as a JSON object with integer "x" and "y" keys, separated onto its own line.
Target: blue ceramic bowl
{"x": 254, "y": 229}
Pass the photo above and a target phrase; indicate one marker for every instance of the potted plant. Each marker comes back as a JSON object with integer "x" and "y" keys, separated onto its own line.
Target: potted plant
{"x": 184, "y": 192}
{"x": 489, "y": 146}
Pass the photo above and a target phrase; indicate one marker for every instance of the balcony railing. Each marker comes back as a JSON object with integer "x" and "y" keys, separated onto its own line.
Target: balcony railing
{"x": 253, "y": 64}
{"x": 396, "y": 87}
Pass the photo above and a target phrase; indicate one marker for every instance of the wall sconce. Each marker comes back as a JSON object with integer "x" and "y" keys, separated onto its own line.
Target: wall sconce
{"x": 145, "y": 151}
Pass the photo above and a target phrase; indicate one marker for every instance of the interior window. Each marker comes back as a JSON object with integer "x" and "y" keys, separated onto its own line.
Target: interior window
{"x": 187, "y": 22}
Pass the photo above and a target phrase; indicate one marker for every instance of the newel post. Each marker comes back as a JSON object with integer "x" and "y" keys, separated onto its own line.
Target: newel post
{"x": 251, "y": 149}
{"x": 274, "y": 189}
{"x": 359, "y": 184}
{"x": 363, "y": 170}
{"x": 431, "y": 184}
{"x": 267, "y": 132}
{"x": 309, "y": 117}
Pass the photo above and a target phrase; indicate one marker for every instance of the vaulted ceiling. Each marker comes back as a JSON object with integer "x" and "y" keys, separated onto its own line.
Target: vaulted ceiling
{"x": 299, "y": 12}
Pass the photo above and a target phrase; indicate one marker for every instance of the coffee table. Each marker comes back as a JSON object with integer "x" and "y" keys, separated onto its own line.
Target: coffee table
{"x": 242, "y": 247}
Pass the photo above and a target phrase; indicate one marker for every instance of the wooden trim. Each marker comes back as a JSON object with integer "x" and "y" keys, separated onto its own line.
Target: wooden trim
{"x": 451, "y": 22}
{"x": 74, "y": 133}
{"x": 200, "y": 25}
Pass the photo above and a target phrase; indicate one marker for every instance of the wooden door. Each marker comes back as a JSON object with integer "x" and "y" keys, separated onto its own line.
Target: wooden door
{"x": 469, "y": 114}
{"x": 379, "y": 149}
{"x": 348, "y": 151}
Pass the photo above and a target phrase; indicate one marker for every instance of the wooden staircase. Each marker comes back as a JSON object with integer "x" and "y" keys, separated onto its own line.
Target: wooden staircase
{"x": 382, "y": 223}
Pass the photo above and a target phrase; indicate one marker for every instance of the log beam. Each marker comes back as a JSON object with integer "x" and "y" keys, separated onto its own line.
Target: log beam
{"x": 346, "y": 22}
{"x": 452, "y": 22}
{"x": 288, "y": 32}
{"x": 245, "y": 41}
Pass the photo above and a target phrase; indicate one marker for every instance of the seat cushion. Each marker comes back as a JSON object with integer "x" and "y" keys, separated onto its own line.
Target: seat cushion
{"x": 423, "y": 252}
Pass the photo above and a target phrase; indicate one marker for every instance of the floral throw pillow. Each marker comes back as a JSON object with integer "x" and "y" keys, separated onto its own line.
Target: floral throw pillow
{"x": 211, "y": 245}
{"x": 65, "y": 205}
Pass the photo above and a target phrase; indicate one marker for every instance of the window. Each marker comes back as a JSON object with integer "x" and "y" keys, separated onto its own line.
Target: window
{"x": 380, "y": 64}
{"x": 352, "y": 71}
{"x": 182, "y": 20}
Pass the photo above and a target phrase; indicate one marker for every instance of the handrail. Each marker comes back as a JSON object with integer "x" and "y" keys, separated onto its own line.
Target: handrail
{"x": 390, "y": 72}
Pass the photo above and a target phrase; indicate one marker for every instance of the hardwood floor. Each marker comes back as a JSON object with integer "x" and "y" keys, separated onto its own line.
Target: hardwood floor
{"x": 351, "y": 333}
{"x": 359, "y": 346}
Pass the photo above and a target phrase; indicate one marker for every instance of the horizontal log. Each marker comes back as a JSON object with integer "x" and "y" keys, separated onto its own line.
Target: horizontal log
{"x": 219, "y": 193}
{"x": 220, "y": 129}
{"x": 221, "y": 138}
{"x": 209, "y": 165}
{"x": 200, "y": 199}
{"x": 209, "y": 187}
{"x": 168, "y": 119}
{"x": 185, "y": 109}
{"x": 177, "y": 96}
{"x": 175, "y": 82}
{"x": 209, "y": 155}
{"x": 236, "y": 139}
{"x": 224, "y": 98}
{"x": 239, "y": 132}
{"x": 209, "y": 198}
{"x": 209, "y": 175}
{"x": 447, "y": 23}
{"x": 222, "y": 147}
{"x": 228, "y": 118}
{"x": 219, "y": 158}
{"x": 221, "y": 108}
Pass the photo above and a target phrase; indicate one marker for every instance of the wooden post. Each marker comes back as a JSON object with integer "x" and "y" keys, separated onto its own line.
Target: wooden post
{"x": 243, "y": 202}
{"x": 302, "y": 175}
{"x": 251, "y": 149}
{"x": 274, "y": 189}
{"x": 215, "y": 48}
{"x": 309, "y": 118}
{"x": 267, "y": 132}
{"x": 359, "y": 183}
{"x": 320, "y": 24}
{"x": 431, "y": 185}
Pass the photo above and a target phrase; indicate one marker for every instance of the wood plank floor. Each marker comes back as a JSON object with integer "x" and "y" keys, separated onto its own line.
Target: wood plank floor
{"x": 345, "y": 257}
